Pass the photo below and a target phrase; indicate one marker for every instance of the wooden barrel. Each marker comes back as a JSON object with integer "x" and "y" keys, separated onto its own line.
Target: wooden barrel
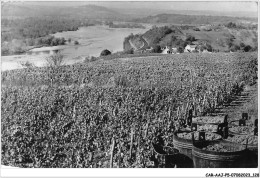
{"x": 214, "y": 159}
{"x": 163, "y": 157}
{"x": 252, "y": 148}
{"x": 168, "y": 157}
{"x": 243, "y": 127}
{"x": 184, "y": 145}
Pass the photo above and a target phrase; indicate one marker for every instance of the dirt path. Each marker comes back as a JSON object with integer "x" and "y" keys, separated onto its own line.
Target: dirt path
{"x": 132, "y": 44}
{"x": 245, "y": 102}
{"x": 145, "y": 44}
{"x": 143, "y": 47}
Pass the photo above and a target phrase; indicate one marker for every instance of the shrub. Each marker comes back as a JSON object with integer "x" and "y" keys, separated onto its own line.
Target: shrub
{"x": 130, "y": 51}
{"x": 190, "y": 38}
{"x": 27, "y": 64}
{"x": 208, "y": 47}
{"x": 196, "y": 29}
{"x": 180, "y": 49}
{"x": 90, "y": 59}
{"x": 231, "y": 25}
{"x": 61, "y": 41}
{"x": 242, "y": 45}
{"x": 55, "y": 60}
{"x": 156, "y": 49}
{"x": 234, "y": 48}
{"x": 247, "y": 48}
{"x": 105, "y": 52}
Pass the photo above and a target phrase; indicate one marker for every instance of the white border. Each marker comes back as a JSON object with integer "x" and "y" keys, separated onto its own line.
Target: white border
{"x": 124, "y": 172}
{"x": 120, "y": 172}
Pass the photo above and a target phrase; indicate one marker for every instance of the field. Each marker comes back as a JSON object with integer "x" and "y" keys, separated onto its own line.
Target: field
{"x": 218, "y": 39}
{"x": 73, "y": 116}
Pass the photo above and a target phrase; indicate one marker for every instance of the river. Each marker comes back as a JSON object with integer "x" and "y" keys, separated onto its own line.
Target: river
{"x": 92, "y": 40}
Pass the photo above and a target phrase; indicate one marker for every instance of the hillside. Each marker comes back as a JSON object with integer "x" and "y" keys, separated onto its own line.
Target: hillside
{"x": 144, "y": 12}
{"x": 246, "y": 36}
{"x": 191, "y": 19}
{"x": 219, "y": 37}
{"x": 87, "y": 11}
{"x": 222, "y": 38}
{"x": 155, "y": 35}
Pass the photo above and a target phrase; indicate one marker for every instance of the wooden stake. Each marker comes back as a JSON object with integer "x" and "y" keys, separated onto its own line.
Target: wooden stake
{"x": 91, "y": 157}
{"x": 74, "y": 112}
{"x": 178, "y": 113}
{"x": 132, "y": 138}
{"x": 146, "y": 130}
{"x": 119, "y": 155}
{"x": 138, "y": 147}
{"x": 169, "y": 113}
{"x": 112, "y": 151}
{"x": 182, "y": 108}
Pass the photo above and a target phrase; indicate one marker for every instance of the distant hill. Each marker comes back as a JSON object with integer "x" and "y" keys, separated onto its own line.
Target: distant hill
{"x": 191, "y": 19}
{"x": 14, "y": 10}
{"x": 26, "y": 9}
{"x": 96, "y": 12}
{"x": 216, "y": 13}
{"x": 141, "y": 13}
{"x": 87, "y": 11}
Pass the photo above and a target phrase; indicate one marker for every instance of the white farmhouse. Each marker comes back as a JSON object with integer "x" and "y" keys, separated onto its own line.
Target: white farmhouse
{"x": 166, "y": 50}
{"x": 190, "y": 48}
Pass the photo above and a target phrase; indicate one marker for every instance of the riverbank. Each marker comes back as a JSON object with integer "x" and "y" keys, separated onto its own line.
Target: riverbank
{"x": 39, "y": 60}
{"x": 92, "y": 40}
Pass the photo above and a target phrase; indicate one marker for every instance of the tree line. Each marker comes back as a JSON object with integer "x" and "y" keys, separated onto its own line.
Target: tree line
{"x": 20, "y": 46}
{"x": 124, "y": 25}
{"x": 35, "y": 27}
{"x": 19, "y": 34}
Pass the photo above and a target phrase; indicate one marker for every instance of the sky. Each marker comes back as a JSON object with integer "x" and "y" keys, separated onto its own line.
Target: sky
{"x": 235, "y": 6}
{"x": 215, "y": 6}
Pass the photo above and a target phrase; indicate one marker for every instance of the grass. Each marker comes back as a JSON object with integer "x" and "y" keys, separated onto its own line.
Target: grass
{"x": 122, "y": 55}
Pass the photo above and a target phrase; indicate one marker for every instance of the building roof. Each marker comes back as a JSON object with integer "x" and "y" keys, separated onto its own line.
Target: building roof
{"x": 195, "y": 42}
{"x": 193, "y": 46}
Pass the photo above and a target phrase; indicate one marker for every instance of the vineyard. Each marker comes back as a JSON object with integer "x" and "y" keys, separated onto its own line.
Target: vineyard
{"x": 108, "y": 113}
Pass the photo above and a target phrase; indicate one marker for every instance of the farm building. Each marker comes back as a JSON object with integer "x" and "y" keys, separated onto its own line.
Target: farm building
{"x": 206, "y": 51}
{"x": 168, "y": 50}
{"x": 149, "y": 49}
{"x": 174, "y": 50}
{"x": 190, "y": 48}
